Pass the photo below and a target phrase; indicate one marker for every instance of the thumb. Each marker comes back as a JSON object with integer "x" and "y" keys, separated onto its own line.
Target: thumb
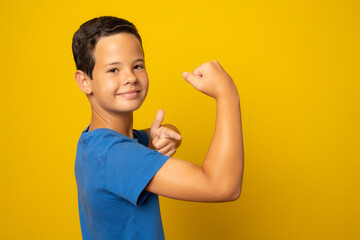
{"x": 192, "y": 79}
{"x": 158, "y": 120}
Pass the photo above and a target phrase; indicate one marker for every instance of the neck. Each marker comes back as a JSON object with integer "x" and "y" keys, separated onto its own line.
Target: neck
{"x": 119, "y": 122}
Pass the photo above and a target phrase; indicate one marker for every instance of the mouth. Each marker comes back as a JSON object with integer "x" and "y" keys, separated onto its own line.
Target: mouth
{"x": 131, "y": 94}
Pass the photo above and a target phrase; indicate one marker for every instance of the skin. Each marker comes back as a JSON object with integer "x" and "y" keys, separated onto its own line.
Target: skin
{"x": 165, "y": 138}
{"x": 219, "y": 179}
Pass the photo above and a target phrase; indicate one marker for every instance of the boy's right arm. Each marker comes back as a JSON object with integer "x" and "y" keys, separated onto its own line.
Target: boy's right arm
{"x": 220, "y": 177}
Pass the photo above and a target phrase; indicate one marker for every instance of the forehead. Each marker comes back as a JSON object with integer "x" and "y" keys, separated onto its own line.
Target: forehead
{"x": 121, "y": 47}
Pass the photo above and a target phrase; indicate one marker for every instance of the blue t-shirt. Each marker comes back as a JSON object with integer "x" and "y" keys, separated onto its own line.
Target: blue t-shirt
{"x": 111, "y": 173}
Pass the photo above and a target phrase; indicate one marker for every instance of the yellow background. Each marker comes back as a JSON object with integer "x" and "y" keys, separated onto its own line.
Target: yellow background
{"x": 296, "y": 66}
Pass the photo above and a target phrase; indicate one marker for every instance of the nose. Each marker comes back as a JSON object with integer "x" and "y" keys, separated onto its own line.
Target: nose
{"x": 129, "y": 77}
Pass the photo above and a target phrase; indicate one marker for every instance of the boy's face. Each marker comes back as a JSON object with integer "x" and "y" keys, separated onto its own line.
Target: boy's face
{"x": 120, "y": 82}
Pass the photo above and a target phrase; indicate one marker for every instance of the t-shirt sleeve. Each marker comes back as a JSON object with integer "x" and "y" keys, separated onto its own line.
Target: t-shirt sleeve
{"x": 142, "y": 137}
{"x": 129, "y": 168}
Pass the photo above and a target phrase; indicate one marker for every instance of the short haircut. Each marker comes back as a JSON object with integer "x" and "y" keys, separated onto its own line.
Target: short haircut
{"x": 89, "y": 33}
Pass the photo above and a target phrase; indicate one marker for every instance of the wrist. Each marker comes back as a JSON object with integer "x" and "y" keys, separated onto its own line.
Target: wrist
{"x": 228, "y": 96}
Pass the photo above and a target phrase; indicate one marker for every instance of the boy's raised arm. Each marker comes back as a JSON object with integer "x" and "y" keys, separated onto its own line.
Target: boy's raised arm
{"x": 220, "y": 177}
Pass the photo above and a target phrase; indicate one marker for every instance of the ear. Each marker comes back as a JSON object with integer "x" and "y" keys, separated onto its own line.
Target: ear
{"x": 83, "y": 81}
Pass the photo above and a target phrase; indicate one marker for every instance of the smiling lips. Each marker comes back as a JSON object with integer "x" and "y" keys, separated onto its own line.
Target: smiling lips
{"x": 130, "y": 94}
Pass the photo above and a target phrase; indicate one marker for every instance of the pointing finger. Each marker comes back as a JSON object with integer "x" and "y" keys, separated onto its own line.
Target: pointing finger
{"x": 166, "y": 131}
{"x": 161, "y": 143}
{"x": 172, "y": 134}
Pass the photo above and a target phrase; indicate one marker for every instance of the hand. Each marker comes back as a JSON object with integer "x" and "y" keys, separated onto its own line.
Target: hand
{"x": 210, "y": 78}
{"x": 164, "y": 138}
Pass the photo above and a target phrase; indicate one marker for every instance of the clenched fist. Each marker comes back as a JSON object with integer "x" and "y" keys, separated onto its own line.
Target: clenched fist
{"x": 211, "y": 79}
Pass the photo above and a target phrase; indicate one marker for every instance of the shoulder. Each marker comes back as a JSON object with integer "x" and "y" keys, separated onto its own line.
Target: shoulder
{"x": 100, "y": 141}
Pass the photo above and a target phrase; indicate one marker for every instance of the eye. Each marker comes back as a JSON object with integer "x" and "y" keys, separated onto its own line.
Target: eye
{"x": 139, "y": 67}
{"x": 113, "y": 70}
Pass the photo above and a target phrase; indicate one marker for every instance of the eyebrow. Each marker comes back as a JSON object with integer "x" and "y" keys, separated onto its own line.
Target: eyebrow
{"x": 137, "y": 60}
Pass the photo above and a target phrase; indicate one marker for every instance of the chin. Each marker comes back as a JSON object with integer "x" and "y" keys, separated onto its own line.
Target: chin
{"x": 134, "y": 106}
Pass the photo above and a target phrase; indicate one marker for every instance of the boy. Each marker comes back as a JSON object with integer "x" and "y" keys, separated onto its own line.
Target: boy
{"x": 121, "y": 171}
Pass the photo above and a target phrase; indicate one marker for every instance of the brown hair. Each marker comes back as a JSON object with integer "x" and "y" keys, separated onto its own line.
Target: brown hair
{"x": 89, "y": 33}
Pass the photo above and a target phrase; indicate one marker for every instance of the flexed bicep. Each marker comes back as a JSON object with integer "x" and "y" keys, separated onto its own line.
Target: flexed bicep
{"x": 183, "y": 180}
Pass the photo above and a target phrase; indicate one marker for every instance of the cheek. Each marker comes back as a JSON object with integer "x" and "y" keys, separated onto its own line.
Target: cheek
{"x": 111, "y": 85}
{"x": 146, "y": 85}
{"x": 145, "y": 81}
{"x": 146, "y": 88}
{"x": 108, "y": 85}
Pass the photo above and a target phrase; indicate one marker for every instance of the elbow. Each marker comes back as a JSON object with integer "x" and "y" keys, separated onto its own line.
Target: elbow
{"x": 234, "y": 195}
{"x": 229, "y": 194}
